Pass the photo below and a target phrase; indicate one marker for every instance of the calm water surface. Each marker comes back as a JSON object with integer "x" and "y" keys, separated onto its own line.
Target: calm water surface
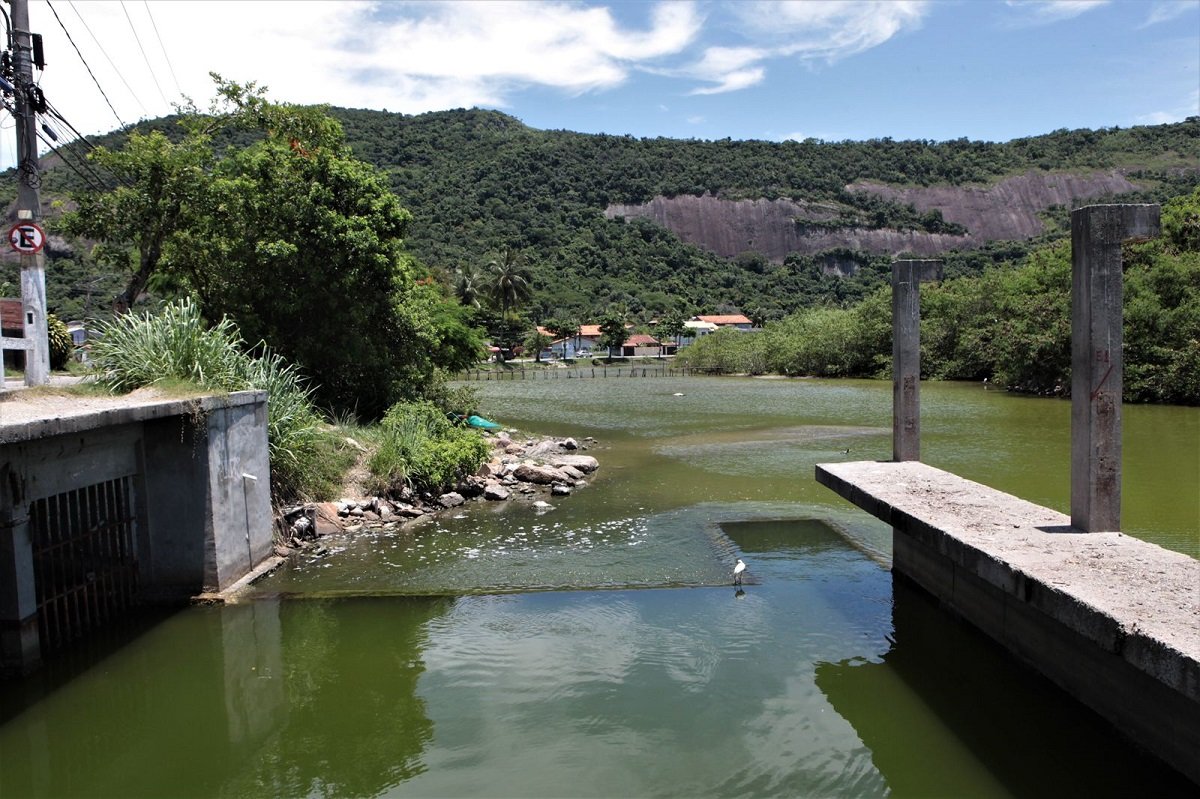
{"x": 597, "y": 649}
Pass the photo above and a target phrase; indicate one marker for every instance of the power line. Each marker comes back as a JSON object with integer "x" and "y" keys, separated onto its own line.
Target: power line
{"x": 88, "y": 28}
{"x": 86, "y": 65}
{"x": 170, "y": 66}
{"x": 145, "y": 58}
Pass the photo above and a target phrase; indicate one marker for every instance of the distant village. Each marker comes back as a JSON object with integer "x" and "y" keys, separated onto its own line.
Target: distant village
{"x": 587, "y": 343}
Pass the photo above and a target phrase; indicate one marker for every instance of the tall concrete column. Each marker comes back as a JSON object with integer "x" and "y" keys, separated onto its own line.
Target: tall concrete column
{"x": 1097, "y": 232}
{"x": 906, "y": 355}
{"x": 20, "y": 649}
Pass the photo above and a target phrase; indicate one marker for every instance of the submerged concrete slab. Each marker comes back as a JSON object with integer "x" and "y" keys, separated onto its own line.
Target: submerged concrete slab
{"x": 1112, "y": 619}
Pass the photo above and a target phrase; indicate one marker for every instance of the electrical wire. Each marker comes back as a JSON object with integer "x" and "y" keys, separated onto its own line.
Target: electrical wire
{"x": 86, "y": 65}
{"x": 158, "y": 36}
{"x": 88, "y": 28}
{"x": 93, "y": 180}
{"x": 145, "y": 58}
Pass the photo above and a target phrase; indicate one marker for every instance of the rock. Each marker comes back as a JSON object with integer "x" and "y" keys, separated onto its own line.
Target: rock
{"x": 571, "y": 471}
{"x": 282, "y": 551}
{"x": 542, "y": 475}
{"x": 383, "y": 509}
{"x": 570, "y": 443}
{"x": 451, "y": 499}
{"x": 487, "y": 470}
{"x": 514, "y": 449}
{"x": 327, "y": 518}
{"x": 584, "y": 463}
{"x": 560, "y": 490}
{"x": 409, "y": 512}
{"x": 527, "y": 489}
{"x": 302, "y": 527}
{"x": 472, "y": 486}
{"x": 543, "y": 505}
{"x": 496, "y": 492}
{"x": 370, "y": 516}
{"x": 356, "y": 512}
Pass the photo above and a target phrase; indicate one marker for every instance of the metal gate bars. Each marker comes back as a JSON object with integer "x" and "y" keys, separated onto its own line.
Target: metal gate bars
{"x": 85, "y": 568}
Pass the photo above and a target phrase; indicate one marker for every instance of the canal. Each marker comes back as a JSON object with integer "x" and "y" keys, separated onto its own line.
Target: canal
{"x": 598, "y": 649}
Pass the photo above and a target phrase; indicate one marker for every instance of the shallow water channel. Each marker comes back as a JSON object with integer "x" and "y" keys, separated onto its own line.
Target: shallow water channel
{"x": 598, "y": 649}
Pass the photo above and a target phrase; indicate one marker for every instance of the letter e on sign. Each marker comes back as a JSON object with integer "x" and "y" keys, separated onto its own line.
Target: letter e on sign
{"x": 26, "y": 237}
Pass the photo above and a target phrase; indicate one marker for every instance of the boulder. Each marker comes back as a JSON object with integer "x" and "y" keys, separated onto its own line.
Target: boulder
{"x": 496, "y": 492}
{"x": 570, "y": 443}
{"x": 409, "y": 512}
{"x": 451, "y": 499}
{"x": 560, "y": 490}
{"x": 542, "y": 475}
{"x": 571, "y": 471}
{"x": 584, "y": 463}
{"x": 327, "y": 518}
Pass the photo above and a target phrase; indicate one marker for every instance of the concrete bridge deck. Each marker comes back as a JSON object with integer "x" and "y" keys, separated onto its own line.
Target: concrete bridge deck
{"x": 1112, "y": 619}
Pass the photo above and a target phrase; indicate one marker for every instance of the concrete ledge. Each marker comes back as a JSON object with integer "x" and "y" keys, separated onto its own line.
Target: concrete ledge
{"x": 1112, "y": 619}
{"x": 30, "y": 417}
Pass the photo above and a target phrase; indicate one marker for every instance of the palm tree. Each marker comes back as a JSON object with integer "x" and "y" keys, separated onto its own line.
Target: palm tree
{"x": 510, "y": 281}
{"x": 468, "y": 286}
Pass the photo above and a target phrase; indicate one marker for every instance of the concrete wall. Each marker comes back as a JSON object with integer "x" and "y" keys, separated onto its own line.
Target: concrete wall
{"x": 200, "y": 481}
{"x": 1150, "y": 712}
{"x": 1109, "y": 618}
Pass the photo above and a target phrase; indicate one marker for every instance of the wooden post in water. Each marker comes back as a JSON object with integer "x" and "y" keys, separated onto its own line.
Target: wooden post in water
{"x": 906, "y": 355}
{"x": 1097, "y": 232}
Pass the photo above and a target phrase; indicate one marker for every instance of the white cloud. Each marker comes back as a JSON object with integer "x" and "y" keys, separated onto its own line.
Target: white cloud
{"x": 1166, "y": 11}
{"x": 408, "y": 57}
{"x": 810, "y": 31}
{"x": 1044, "y": 12}
{"x": 1188, "y": 108}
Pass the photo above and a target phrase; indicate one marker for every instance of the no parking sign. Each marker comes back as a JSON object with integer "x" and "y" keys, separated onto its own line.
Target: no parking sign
{"x": 27, "y": 237}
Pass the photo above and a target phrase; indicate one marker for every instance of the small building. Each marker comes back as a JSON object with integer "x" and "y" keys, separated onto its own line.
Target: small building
{"x": 641, "y": 345}
{"x": 737, "y": 321}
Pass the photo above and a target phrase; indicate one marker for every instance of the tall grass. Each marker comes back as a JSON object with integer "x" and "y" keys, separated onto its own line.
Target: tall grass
{"x": 176, "y": 345}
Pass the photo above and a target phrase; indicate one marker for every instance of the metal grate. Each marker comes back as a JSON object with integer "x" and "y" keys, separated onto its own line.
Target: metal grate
{"x": 84, "y": 562}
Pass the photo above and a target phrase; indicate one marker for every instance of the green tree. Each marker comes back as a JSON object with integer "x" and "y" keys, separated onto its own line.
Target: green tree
{"x": 510, "y": 281}
{"x": 613, "y": 331}
{"x": 290, "y": 237}
{"x": 145, "y": 224}
{"x": 535, "y": 342}
{"x": 562, "y": 329}
{"x": 469, "y": 286}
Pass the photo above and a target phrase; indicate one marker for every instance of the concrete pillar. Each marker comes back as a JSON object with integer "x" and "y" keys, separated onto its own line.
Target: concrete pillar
{"x": 906, "y": 355}
{"x": 20, "y": 649}
{"x": 1097, "y": 232}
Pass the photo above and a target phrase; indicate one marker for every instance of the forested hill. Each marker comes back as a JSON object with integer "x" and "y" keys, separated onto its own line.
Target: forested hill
{"x": 480, "y": 182}
{"x": 757, "y": 227}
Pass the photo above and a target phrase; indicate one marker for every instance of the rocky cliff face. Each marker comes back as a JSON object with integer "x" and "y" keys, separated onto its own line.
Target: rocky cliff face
{"x": 1007, "y": 210}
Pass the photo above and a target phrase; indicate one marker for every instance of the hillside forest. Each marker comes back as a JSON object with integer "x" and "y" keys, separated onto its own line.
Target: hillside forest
{"x": 503, "y": 227}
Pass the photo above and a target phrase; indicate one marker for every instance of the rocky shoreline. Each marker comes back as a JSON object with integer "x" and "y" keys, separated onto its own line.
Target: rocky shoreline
{"x": 531, "y": 470}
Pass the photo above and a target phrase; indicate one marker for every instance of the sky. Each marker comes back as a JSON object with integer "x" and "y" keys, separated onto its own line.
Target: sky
{"x": 989, "y": 70}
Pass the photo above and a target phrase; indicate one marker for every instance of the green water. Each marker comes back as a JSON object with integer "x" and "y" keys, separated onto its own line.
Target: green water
{"x": 597, "y": 649}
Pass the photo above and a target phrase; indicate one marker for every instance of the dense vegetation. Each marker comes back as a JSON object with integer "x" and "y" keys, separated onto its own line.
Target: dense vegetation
{"x": 510, "y": 220}
{"x": 290, "y": 237}
{"x": 480, "y": 183}
{"x": 1010, "y": 325}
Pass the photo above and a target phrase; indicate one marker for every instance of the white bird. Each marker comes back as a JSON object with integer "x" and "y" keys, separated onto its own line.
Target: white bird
{"x": 737, "y": 572}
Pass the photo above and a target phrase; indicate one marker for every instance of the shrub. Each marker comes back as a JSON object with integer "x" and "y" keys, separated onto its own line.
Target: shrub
{"x": 61, "y": 345}
{"x": 422, "y": 447}
{"x": 138, "y": 350}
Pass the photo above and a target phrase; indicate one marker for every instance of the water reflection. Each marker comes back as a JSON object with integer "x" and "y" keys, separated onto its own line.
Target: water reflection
{"x": 263, "y": 699}
{"x": 946, "y": 712}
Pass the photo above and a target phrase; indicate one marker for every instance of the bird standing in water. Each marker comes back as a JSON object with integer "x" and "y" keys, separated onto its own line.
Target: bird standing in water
{"x": 737, "y": 572}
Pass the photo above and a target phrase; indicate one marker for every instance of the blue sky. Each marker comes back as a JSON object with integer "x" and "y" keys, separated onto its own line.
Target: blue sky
{"x": 937, "y": 69}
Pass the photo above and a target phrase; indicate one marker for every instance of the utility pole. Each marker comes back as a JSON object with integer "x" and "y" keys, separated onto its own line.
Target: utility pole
{"x": 29, "y": 201}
